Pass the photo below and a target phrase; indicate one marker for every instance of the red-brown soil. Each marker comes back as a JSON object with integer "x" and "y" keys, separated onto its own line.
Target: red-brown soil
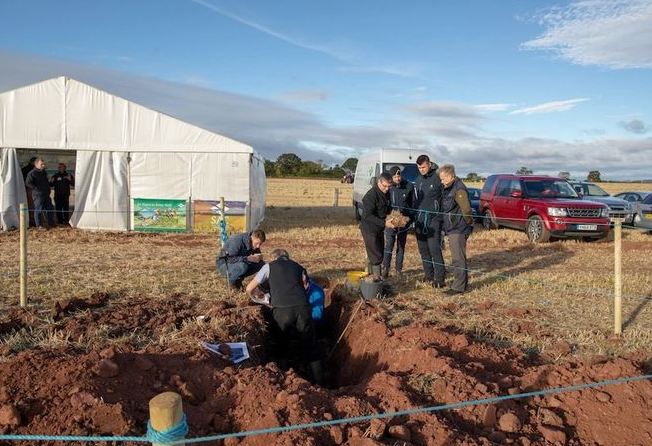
{"x": 374, "y": 369}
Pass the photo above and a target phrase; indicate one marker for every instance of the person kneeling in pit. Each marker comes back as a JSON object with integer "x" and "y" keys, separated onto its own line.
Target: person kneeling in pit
{"x": 288, "y": 285}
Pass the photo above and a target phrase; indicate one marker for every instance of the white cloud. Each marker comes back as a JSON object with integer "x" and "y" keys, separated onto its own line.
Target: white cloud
{"x": 635, "y": 126}
{"x": 490, "y": 108}
{"x": 549, "y": 107}
{"x": 199, "y": 81}
{"x": 611, "y": 33}
{"x": 450, "y": 130}
{"x": 306, "y": 95}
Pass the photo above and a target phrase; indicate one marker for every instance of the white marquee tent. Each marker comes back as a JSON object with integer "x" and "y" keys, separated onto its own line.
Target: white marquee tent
{"x": 124, "y": 150}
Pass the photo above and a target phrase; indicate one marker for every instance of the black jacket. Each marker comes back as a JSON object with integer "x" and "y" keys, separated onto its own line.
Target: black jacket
{"x": 375, "y": 207}
{"x": 37, "y": 180}
{"x": 62, "y": 184}
{"x": 286, "y": 284}
{"x": 401, "y": 197}
{"x": 457, "y": 209}
{"x": 428, "y": 192}
{"x": 238, "y": 248}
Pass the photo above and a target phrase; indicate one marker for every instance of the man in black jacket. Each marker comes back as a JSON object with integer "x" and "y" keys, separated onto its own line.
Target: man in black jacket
{"x": 288, "y": 285}
{"x": 37, "y": 180}
{"x": 427, "y": 224}
{"x": 375, "y": 207}
{"x": 241, "y": 257}
{"x": 62, "y": 181}
{"x": 401, "y": 198}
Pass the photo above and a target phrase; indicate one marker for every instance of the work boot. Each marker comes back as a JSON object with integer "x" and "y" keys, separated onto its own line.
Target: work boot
{"x": 385, "y": 274}
{"x": 317, "y": 372}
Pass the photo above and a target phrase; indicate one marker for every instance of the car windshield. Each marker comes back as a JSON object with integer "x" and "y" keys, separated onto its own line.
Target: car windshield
{"x": 408, "y": 171}
{"x": 474, "y": 193}
{"x": 549, "y": 189}
{"x": 647, "y": 200}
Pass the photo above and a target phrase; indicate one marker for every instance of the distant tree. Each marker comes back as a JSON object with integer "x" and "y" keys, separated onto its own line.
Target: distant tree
{"x": 269, "y": 168}
{"x": 593, "y": 175}
{"x": 472, "y": 177}
{"x": 309, "y": 169}
{"x": 350, "y": 164}
{"x": 565, "y": 175}
{"x": 524, "y": 171}
{"x": 287, "y": 164}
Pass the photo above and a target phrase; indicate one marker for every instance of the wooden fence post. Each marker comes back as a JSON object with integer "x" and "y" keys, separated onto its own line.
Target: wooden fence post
{"x": 336, "y": 197}
{"x": 165, "y": 411}
{"x": 618, "y": 278}
{"x": 24, "y": 221}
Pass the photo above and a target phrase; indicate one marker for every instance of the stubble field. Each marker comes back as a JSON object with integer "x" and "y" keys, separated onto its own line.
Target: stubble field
{"x": 536, "y": 316}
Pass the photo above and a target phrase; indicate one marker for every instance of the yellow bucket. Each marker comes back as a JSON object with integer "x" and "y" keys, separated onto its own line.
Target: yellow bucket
{"x": 354, "y": 277}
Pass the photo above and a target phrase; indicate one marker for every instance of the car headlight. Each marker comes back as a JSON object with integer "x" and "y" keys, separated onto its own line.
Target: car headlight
{"x": 557, "y": 212}
{"x": 604, "y": 212}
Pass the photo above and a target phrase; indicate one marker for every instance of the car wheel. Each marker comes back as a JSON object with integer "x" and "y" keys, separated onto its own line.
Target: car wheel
{"x": 536, "y": 230}
{"x": 489, "y": 222}
{"x": 358, "y": 217}
{"x": 636, "y": 220}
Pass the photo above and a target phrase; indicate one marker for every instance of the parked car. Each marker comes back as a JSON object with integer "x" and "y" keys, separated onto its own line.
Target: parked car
{"x": 618, "y": 208}
{"x": 636, "y": 199}
{"x": 545, "y": 207}
{"x": 474, "y": 197}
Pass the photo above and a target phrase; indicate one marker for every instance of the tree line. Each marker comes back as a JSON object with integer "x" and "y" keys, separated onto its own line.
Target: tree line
{"x": 291, "y": 165}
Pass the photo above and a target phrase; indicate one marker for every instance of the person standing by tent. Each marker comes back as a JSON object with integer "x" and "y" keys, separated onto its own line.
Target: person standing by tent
{"x": 458, "y": 224}
{"x": 427, "y": 225}
{"x": 241, "y": 257}
{"x": 401, "y": 197}
{"x": 27, "y": 168}
{"x": 292, "y": 313}
{"x": 375, "y": 207}
{"x": 37, "y": 180}
{"x": 62, "y": 181}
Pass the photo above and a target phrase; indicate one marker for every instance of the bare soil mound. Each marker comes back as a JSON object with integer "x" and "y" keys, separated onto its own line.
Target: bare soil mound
{"x": 105, "y": 391}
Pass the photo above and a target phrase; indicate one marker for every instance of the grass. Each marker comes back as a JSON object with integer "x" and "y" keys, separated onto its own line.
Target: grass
{"x": 533, "y": 296}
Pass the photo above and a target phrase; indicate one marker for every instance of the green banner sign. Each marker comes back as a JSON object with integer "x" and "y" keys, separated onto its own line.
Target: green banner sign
{"x": 159, "y": 215}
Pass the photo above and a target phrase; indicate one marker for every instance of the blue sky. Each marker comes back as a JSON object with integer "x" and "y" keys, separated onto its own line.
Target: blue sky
{"x": 487, "y": 86}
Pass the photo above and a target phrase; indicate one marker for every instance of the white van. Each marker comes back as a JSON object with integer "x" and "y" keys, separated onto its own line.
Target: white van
{"x": 372, "y": 164}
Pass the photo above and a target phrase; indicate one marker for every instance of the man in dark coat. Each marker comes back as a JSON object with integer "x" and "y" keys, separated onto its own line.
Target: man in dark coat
{"x": 37, "y": 180}
{"x": 458, "y": 225}
{"x": 27, "y": 168}
{"x": 427, "y": 224}
{"x": 401, "y": 198}
{"x": 241, "y": 257}
{"x": 291, "y": 310}
{"x": 62, "y": 181}
{"x": 375, "y": 207}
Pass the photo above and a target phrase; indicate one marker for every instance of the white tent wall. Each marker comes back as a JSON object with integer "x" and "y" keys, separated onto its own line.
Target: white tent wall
{"x": 101, "y": 194}
{"x": 216, "y": 175}
{"x": 12, "y": 189}
{"x": 160, "y": 175}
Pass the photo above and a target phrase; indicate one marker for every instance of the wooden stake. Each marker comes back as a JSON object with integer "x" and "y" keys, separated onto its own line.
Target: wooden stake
{"x": 336, "y": 197}
{"x": 618, "y": 279}
{"x": 24, "y": 220}
{"x": 165, "y": 411}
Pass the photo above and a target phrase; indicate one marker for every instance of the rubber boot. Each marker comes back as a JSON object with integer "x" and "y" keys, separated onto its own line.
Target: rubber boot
{"x": 376, "y": 272}
{"x": 317, "y": 372}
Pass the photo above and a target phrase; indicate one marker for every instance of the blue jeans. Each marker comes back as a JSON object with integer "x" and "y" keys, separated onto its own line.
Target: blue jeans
{"x": 398, "y": 236}
{"x": 238, "y": 270}
{"x": 43, "y": 203}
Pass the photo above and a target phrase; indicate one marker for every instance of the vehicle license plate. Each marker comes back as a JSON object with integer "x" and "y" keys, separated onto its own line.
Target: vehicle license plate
{"x": 587, "y": 227}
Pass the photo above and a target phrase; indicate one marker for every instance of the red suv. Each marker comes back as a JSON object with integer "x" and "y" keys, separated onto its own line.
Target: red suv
{"x": 543, "y": 206}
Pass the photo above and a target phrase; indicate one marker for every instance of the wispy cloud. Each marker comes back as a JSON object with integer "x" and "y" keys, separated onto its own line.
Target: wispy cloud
{"x": 307, "y": 95}
{"x": 635, "y": 126}
{"x": 490, "y": 108}
{"x": 199, "y": 81}
{"x": 610, "y": 33}
{"x": 445, "y": 110}
{"x": 549, "y": 107}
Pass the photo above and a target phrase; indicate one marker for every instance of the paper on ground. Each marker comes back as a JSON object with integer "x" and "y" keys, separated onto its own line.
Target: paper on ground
{"x": 239, "y": 351}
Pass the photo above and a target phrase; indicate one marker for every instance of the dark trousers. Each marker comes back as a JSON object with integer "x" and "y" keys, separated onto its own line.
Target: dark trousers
{"x": 457, "y": 244}
{"x": 374, "y": 244}
{"x": 398, "y": 236}
{"x": 238, "y": 270}
{"x": 428, "y": 233}
{"x": 62, "y": 208}
{"x": 43, "y": 204}
{"x": 296, "y": 322}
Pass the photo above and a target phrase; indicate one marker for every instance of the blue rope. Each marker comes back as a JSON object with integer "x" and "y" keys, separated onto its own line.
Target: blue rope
{"x": 170, "y": 436}
{"x": 223, "y": 235}
{"x": 295, "y": 427}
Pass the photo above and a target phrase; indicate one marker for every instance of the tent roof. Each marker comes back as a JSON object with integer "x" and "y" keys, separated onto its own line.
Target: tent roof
{"x": 63, "y": 113}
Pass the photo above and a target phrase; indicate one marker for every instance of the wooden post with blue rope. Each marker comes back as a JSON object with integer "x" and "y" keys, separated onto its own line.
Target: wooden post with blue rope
{"x": 166, "y": 413}
{"x": 24, "y": 219}
{"x": 618, "y": 277}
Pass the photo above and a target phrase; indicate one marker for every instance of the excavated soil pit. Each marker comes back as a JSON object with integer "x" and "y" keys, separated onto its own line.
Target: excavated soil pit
{"x": 67, "y": 390}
